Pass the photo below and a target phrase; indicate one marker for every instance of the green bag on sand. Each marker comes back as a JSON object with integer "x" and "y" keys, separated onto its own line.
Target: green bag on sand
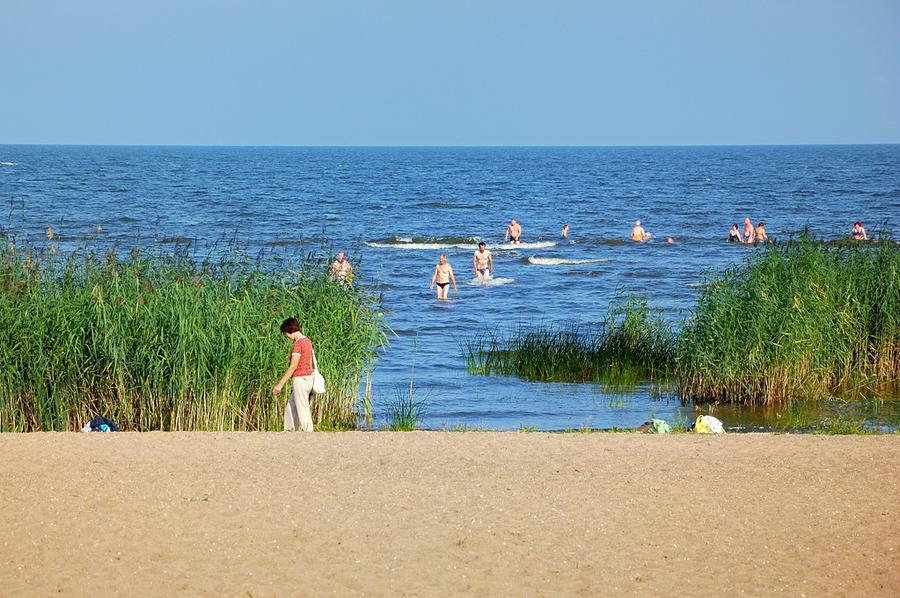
{"x": 659, "y": 426}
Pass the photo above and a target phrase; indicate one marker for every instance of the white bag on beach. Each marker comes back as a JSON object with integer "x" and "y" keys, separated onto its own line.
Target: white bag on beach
{"x": 707, "y": 424}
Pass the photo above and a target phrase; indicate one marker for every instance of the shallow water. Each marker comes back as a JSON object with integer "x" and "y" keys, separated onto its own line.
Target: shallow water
{"x": 395, "y": 209}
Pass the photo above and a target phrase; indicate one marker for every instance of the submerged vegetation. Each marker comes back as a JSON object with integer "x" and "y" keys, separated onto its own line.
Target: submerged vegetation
{"x": 632, "y": 344}
{"x": 172, "y": 342}
{"x": 804, "y": 319}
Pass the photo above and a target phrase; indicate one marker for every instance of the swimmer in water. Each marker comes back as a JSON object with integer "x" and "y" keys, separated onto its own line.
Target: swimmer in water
{"x": 670, "y": 240}
{"x": 748, "y": 230}
{"x": 443, "y": 275}
{"x": 759, "y": 235}
{"x": 565, "y": 231}
{"x": 513, "y": 231}
{"x": 734, "y": 235}
{"x": 483, "y": 262}
{"x": 858, "y": 232}
{"x": 341, "y": 268}
{"x": 638, "y": 233}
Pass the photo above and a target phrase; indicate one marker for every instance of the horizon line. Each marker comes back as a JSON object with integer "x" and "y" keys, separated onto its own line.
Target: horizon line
{"x": 449, "y": 146}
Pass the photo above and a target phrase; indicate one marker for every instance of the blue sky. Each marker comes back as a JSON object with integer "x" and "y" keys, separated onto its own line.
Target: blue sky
{"x": 563, "y": 72}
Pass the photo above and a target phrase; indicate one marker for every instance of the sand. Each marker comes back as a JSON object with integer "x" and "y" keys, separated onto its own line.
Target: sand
{"x": 445, "y": 513}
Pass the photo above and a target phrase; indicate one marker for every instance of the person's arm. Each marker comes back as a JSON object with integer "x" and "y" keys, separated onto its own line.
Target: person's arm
{"x": 491, "y": 263}
{"x": 475, "y": 264}
{"x": 865, "y": 236}
{"x": 433, "y": 278}
{"x": 453, "y": 280}
{"x": 295, "y": 361}
{"x": 506, "y": 236}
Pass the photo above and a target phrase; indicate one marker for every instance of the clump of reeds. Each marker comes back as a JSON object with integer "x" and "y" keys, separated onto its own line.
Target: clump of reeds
{"x": 405, "y": 413}
{"x": 799, "y": 320}
{"x": 631, "y": 345}
{"x": 172, "y": 342}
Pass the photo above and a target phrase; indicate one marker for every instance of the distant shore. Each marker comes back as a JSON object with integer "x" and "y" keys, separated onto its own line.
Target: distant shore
{"x": 440, "y": 513}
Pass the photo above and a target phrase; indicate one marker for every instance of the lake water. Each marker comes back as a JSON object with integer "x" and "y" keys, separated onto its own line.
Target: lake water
{"x": 393, "y": 210}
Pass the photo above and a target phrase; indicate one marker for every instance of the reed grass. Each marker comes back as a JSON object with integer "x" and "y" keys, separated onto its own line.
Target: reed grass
{"x": 405, "y": 413}
{"x": 172, "y": 341}
{"x": 632, "y": 344}
{"x": 800, "y": 320}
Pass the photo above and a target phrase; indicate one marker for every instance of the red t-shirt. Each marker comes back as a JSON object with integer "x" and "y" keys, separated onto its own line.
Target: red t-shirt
{"x": 303, "y": 348}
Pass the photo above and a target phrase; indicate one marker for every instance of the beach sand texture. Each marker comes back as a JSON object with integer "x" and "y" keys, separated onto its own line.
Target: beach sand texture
{"x": 445, "y": 513}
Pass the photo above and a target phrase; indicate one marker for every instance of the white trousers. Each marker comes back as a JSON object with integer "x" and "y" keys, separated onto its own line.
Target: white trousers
{"x": 296, "y": 411}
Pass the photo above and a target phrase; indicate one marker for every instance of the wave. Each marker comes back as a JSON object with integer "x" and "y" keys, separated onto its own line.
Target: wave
{"x": 525, "y": 245}
{"x": 284, "y": 243}
{"x": 434, "y": 204}
{"x": 421, "y": 243}
{"x": 396, "y": 242}
{"x": 559, "y": 261}
{"x": 611, "y": 242}
{"x": 7, "y": 163}
{"x": 490, "y": 282}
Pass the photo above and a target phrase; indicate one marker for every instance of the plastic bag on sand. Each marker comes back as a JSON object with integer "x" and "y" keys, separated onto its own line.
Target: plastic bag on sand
{"x": 707, "y": 424}
{"x": 655, "y": 426}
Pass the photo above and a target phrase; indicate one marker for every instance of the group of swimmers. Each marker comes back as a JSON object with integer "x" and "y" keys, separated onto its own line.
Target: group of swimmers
{"x": 483, "y": 259}
{"x": 750, "y": 235}
{"x": 482, "y": 262}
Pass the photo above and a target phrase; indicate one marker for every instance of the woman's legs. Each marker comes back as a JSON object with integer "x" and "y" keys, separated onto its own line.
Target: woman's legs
{"x": 297, "y": 415}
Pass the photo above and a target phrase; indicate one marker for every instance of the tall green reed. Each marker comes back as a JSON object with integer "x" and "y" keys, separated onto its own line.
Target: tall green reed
{"x": 800, "y": 320}
{"x": 173, "y": 342}
{"x": 632, "y": 344}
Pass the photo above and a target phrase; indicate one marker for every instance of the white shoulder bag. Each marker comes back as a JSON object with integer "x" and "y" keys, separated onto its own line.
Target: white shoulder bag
{"x": 318, "y": 380}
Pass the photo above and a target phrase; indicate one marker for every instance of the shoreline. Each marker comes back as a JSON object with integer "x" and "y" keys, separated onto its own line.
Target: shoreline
{"x": 435, "y": 513}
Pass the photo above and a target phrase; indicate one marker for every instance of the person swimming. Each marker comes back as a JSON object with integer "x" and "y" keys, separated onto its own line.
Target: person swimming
{"x": 565, "y": 231}
{"x": 513, "y": 231}
{"x": 858, "y": 232}
{"x": 748, "y": 230}
{"x": 759, "y": 235}
{"x": 638, "y": 233}
{"x": 341, "y": 269}
{"x": 443, "y": 275}
{"x": 734, "y": 235}
{"x": 483, "y": 262}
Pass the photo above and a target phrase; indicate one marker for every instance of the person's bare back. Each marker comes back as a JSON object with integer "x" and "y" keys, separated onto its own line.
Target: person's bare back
{"x": 341, "y": 268}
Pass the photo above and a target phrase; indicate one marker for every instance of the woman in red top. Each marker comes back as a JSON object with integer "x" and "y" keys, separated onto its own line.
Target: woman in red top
{"x": 300, "y": 372}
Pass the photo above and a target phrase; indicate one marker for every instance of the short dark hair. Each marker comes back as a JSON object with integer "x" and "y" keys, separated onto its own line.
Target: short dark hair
{"x": 481, "y": 244}
{"x": 290, "y": 326}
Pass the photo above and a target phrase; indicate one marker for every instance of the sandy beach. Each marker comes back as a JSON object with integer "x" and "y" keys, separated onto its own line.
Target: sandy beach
{"x": 441, "y": 513}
